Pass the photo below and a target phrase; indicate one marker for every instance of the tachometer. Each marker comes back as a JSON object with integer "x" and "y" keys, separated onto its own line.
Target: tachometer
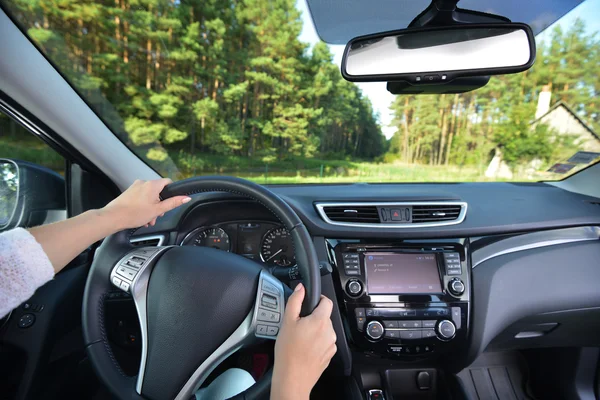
{"x": 213, "y": 237}
{"x": 277, "y": 247}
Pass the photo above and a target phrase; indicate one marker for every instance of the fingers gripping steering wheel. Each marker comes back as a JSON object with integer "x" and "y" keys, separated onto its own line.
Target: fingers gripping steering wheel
{"x": 196, "y": 305}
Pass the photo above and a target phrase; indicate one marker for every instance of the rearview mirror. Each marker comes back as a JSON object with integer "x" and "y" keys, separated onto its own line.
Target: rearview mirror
{"x": 440, "y": 54}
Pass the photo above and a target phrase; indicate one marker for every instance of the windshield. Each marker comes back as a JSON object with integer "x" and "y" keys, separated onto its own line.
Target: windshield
{"x": 246, "y": 88}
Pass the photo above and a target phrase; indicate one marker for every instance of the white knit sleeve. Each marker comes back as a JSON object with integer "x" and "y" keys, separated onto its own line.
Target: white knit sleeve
{"x": 24, "y": 266}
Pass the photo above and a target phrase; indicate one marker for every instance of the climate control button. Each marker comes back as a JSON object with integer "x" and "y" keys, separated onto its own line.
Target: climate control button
{"x": 375, "y": 330}
{"x": 446, "y": 330}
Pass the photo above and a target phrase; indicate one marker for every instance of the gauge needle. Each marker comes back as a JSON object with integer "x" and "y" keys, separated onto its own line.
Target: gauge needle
{"x": 277, "y": 252}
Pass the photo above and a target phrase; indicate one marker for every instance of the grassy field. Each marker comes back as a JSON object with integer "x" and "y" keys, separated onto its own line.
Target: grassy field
{"x": 377, "y": 173}
{"x": 288, "y": 171}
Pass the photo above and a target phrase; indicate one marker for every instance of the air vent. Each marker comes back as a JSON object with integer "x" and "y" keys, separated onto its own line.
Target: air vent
{"x": 147, "y": 241}
{"x": 435, "y": 213}
{"x": 360, "y": 214}
{"x": 393, "y": 215}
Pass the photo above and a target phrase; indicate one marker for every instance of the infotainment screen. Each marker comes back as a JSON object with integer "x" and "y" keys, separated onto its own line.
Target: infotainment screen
{"x": 402, "y": 273}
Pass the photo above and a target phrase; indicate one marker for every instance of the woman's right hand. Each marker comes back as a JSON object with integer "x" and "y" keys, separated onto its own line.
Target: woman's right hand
{"x": 303, "y": 349}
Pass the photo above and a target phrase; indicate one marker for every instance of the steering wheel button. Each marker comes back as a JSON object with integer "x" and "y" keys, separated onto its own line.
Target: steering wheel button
{"x": 116, "y": 281}
{"x": 268, "y": 287}
{"x": 269, "y": 305}
{"x": 274, "y": 317}
{"x": 125, "y": 286}
{"x": 268, "y": 316}
{"x": 130, "y": 264}
{"x": 127, "y": 273}
{"x": 272, "y": 330}
{"x": 269, "y": 301}
{"x": 262, "y": 329}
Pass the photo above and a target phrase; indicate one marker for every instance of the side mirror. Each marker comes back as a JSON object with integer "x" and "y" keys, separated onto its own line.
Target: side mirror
{"x": 440, "y": 54}
{"x": 9, "y": 192}
{"x": 30, "y": 195}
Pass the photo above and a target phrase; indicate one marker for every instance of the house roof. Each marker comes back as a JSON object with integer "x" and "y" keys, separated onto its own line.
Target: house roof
{"x": 561, "y": 103}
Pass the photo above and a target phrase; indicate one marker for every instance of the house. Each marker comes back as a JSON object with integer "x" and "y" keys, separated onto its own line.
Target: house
{"x": 560, "y": 118}
{"x": 563, "y": 120}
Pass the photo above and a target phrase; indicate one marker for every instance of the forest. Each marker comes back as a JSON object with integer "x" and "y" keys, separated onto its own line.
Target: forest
{"x": 223, "y": 86}
{"x": 205, "y": 77}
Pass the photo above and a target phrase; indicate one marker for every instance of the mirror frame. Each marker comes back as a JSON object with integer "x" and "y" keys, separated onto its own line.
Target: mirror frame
{"x": 411, "y": 77}
{"x": 18, "y": 203}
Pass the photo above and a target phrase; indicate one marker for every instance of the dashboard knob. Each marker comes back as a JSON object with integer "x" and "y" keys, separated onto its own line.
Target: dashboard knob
{"x": 456, "y": 287}
{"x": 354, "y": 288}
{"x": 446, "y": 330}
{"x": 375, "y": 330}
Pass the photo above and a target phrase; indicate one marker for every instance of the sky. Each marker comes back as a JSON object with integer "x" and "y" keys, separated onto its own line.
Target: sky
{"x": 588, "y": 11}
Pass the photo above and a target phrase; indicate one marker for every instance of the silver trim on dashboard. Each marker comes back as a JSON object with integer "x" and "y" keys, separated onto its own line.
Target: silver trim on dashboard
{"x": 137, "y": 239}
{"x": 534, "y": 240}
{"x": 461, "y": 216}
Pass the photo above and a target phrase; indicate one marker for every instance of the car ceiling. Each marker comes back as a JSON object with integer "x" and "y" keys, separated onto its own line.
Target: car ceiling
{"x": 338, "y": 21}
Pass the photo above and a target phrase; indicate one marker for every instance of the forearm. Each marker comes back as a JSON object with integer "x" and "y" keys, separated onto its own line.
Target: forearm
{"x": 63, "y": 241}
{"x": 286, "y": 386}
{"x": 288, "y": 394}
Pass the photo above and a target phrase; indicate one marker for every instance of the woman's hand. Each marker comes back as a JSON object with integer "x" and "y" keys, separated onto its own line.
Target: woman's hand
{"x": 140, "y": 205}
{"x": 303, "y": 349}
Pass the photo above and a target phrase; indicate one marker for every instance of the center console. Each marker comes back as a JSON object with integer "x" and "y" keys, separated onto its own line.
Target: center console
{"x": 408, "y": 300}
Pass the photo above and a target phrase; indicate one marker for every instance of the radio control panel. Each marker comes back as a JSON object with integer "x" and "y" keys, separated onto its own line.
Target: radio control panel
{"x": 405, "y": 300}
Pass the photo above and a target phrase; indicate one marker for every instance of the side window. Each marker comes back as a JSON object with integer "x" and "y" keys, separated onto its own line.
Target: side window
{"x": 32, "y": 184}
{"x": 17, "y": 143}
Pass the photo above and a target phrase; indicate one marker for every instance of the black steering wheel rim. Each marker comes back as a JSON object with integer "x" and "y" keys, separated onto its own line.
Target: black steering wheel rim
{"x": 116, "y": 246}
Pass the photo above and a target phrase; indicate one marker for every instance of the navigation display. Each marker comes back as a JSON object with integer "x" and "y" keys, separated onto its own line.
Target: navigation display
{"x": 402, "y": 273}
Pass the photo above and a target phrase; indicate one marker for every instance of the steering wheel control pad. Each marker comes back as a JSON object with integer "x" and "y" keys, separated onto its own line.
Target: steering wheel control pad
{"x": 268, "y": 312}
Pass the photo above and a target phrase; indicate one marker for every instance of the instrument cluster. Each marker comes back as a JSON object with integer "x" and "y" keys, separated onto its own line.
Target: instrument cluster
{"x": 258, "y": 240}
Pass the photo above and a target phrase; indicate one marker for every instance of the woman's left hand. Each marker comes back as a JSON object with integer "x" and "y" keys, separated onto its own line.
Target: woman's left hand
{"x": 140, "y": 204}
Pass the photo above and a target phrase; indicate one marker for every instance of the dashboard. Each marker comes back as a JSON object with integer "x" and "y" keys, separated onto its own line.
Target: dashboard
{"x": 262, "y": 241}
{"x": 489, "y": 275}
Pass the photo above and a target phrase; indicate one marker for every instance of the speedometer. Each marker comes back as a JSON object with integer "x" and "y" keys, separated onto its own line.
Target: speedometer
{"x": 277, "y": 247}
{"x": 213, "y": 237}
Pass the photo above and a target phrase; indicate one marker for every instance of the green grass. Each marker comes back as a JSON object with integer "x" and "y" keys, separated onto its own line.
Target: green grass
{"x": 291, "y": 171}
{"x": 367, "y": 172}
{"x": 34, "y": 151}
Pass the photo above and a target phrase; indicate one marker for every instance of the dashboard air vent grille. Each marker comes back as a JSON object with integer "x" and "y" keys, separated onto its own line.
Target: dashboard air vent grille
{"x": 435, "y": 213}
{"x": 408, "y": 215}
{"x": 360, "y": 214}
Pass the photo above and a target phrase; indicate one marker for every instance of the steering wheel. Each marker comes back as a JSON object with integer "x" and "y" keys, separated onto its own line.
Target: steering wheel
{"x": 196, "y": 305}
